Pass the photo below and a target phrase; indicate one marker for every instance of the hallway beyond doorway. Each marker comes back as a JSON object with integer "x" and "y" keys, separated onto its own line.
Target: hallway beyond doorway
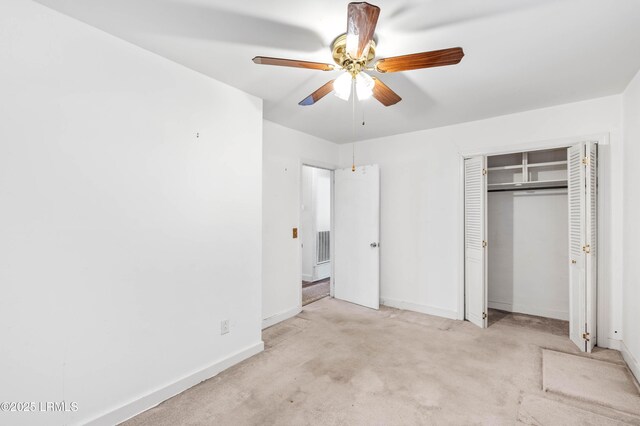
{"x": 312, "y": 292}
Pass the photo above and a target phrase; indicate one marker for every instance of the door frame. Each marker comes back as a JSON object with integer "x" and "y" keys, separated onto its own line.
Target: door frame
{"x": 603, "y": 337}
{"x": 325, "y": 166}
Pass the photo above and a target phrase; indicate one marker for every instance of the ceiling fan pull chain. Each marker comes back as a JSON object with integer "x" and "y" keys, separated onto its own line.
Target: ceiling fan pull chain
{"x": 353, "y": 125}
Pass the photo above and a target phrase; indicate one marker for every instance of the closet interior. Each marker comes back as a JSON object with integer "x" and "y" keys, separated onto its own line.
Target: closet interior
{"x": 528, "y": 233}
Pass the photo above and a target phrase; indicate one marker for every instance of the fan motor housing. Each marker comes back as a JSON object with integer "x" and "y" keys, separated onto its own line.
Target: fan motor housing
{"x": 342, "y": 59}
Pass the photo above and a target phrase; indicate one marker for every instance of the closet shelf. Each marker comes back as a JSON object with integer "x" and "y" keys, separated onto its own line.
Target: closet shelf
{"x": 514, "y": 167}
{"x": 547, "y": 164}
{"x": 561, "y": 183}
{"x": 530, "y": 165}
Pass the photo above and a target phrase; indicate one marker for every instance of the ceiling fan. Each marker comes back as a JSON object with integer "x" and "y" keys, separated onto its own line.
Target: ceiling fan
{"x": 353, "y": 53}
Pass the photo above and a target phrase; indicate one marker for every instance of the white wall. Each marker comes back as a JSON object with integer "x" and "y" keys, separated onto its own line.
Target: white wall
{"x": 125, "y": 239}
{"x": 307, "y": 221}
{"x": 284, "y": 153}
{"x": 315, "y": 216}
{"x": 631, "y": 289}
{"x": 322, "y": 209}
{"x": 421, "y": 204}
{"x": 529, "y": 252}
{"x": 323, "y": 200}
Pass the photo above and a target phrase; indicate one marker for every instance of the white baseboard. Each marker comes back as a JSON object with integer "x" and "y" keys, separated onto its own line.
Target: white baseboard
{"x": 307, "y": 277}
{"x": 610, "y": 344}
{"x": 631, "y": 361}
{"x": 529, "y": 310}
{"x": 274, "y": 319}
{"x": 154, "y": 398}
{"x": 322, "y": 271}
{"x": 423, "y": 309}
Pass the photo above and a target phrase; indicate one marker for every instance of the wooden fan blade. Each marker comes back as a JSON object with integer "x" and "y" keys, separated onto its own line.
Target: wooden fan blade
{"x": 436, "y": 58}
{"x": 318, "y": 94}
{"x": 361, "y": 25}
{"x": 263, "y": 60}
{"x": 382, "y": 93}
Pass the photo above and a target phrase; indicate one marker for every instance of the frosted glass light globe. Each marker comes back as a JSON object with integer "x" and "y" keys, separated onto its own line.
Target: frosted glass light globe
{"x": 342, "y": 86}
{"x": 364, "y": 86}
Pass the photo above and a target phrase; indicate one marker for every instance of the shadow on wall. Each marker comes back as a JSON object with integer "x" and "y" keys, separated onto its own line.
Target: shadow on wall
{"x": 500, "y": 210}
{"x": 528, "y": 260}
{"x": 197, "y": 21}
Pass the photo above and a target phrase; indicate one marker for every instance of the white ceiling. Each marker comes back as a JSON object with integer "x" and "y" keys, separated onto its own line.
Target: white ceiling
{"x": 520, "y": 54}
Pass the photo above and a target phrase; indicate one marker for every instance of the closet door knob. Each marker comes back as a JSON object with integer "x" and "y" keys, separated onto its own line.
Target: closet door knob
{"x": 574, "y": 261}
{"x": 374, "y": 245}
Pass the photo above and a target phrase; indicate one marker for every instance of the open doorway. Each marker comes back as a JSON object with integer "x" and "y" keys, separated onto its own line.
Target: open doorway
{"x": 315, "y": 233}
{"x": 530, "y": 240}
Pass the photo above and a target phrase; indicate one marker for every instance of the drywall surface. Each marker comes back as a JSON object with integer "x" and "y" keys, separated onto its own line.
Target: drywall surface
{"x": 126, "y": 238}
{"x": 284, "y": 153}
{"x": 528, "y": 252}
{"x": 323, "y": 200}
{"x": 315, "y": 216}
{"x": 631, "y": 291}
{"x": 421, "y": 204}
{"x": 307, "y": 221}
{"x": 322, "y": 208}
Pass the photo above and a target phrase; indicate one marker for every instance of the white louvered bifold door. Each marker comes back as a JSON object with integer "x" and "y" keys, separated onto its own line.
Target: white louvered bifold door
{"x": 475, "y": 225}
{"x": 591, "y": 225}
{"x": 577, "y": 236}
{"x": 583, "y": 243}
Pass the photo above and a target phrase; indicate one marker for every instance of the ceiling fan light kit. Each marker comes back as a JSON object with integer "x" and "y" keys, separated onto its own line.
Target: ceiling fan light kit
{"x": 342, "y": 86}
{"x": 354, "y": 52}
{"x": 364, "y": 85}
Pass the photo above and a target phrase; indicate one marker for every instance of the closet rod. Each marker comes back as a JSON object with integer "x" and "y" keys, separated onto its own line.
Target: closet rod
{"x": 527, "y": 189}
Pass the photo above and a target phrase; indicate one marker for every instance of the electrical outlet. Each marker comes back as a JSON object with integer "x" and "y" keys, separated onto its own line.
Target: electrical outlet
{"x": 224, "y": 326}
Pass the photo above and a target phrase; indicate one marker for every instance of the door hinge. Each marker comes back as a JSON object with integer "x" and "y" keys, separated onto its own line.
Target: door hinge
{"x": 586, "y": 249}
{"x": 585, "y": 161}
{"x": 585, "y": 336}
{"x": 484, "y": 172}
{"x": 484, "y": 244}
{"x": 484, "y": 315}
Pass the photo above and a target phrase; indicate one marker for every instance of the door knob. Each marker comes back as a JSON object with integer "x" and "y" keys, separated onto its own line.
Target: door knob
{"x": 374, "y": 245}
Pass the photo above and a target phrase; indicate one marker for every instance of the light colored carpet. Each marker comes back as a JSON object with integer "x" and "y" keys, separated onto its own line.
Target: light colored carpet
{"x": 315, "y": 291}
{"x": 342, "y": 364}
{"x": 605, "y": 383}
{"x": 538, "y": 411}
{"x": 546, "y": 325}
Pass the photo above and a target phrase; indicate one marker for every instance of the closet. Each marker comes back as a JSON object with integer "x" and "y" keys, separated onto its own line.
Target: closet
{"x": 528, "y": 233}
{"x": 530, "y": 236}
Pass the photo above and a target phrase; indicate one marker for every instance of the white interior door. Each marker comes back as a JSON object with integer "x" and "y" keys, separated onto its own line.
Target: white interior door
{"x": 357, "y": 233}
{"x": 591, "y": 227}
{"x": 475, "y": 244}
{"x": 582, "y": 167}
{"x": 577, "y": 235}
